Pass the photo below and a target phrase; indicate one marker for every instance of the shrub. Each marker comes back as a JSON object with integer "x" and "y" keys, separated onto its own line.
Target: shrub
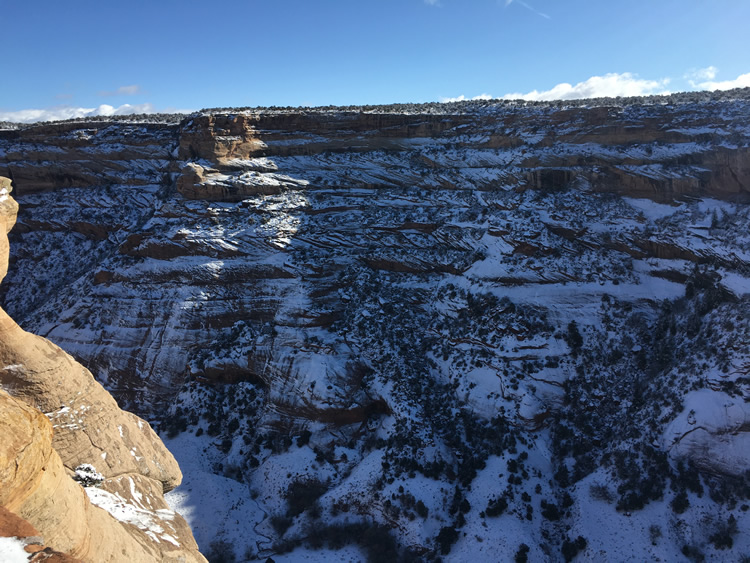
{"x": 281, "y": 523}
{"x": 601, "y": 492}
{"x": 446, "y": 538}
{"x": 680, "y": 503}
{"x": 87, "y": 475}
{"x": 570, "y": 548}
{"x": 550, "y": 511}
{"x": 722, "y": 538}
{"x": 302, "y": 495}
{"x": 522, "y": 555}
{"x": 221, "y": 551}
{"x": 495, "y": 507}
{"x": 304, "y": 438}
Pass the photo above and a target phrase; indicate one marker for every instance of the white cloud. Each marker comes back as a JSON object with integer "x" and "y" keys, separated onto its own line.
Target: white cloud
{"x": 742, "y": 81}
{"x": 609, "y": 85}
{"x": 463, "y": 98}
{"x": 131, "y": 90}
{"x": 695, "y": 74}
{"x": 432, "y": 2}
{"x": 68, "y": 112}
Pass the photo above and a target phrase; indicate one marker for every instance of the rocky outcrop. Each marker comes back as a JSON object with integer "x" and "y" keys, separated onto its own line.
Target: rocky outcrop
{"x": 83, "y": 425}
{"x": 661, "y": 152}
{"x": 713, "y": 431}
{"x": 13, "y": 526}
{"x": 8, "y": 212}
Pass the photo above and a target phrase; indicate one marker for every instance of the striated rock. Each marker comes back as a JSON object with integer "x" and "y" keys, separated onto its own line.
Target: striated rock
{"x": 89, "y": 154}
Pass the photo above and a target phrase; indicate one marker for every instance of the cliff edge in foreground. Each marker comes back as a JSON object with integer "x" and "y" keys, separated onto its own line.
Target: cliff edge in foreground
{"x": 121, "y": 515}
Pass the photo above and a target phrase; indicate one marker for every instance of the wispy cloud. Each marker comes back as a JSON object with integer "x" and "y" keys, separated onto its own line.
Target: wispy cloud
{"x": 131, "y": 90}
{"x": 609, "y": 85}
{"x": 69, "y": 112}
{"x": 463, "y": 98}
{"x": 432, "y": 2}
{"x": 695, "y": 75}
{"x": 528, "y": 7}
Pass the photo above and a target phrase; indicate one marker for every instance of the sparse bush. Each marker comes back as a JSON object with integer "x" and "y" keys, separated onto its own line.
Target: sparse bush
{"x": 654, "y": 533}
{"x": 723, "y": 537}
{"x": 221, "y": 551}
{"x": 87, "y": 475}
{"x": 446, "y": 538}
{"x": 570, "y": 548}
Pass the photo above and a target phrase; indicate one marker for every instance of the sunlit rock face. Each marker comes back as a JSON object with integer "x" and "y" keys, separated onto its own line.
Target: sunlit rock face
{"x": 419, "y": 294}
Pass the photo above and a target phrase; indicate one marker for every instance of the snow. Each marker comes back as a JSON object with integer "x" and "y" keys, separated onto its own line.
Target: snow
{"x": 214, "y": 506}
{"x": 348, "y": 554}
{"x": 154, "y": 523}
{"x": 710, "y": 427}
{"x": 652, "y": 210}
{"x": 736, "y": 283}
{"x": 12, "y": 551}
{"x": 654, "y": 533}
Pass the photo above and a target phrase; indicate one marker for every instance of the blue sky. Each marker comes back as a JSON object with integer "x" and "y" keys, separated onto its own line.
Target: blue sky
{"x": 165, "y": 55}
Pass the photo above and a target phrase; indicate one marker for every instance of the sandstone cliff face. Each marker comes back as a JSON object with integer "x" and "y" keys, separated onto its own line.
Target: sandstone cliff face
{"x": 83, "y": 425}
{"x": 8, "y": 211}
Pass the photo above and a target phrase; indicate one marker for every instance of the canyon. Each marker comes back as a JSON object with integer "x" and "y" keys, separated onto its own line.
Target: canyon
{"x": 418, "y": 331}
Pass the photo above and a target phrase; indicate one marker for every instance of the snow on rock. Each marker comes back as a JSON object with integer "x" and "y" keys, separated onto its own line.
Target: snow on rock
{"x": 713, "y": 430}
{"x": 12, "y": 550}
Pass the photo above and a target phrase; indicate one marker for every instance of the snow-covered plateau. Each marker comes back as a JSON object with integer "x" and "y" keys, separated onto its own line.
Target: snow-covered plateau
{"x": 494, "y": 332}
